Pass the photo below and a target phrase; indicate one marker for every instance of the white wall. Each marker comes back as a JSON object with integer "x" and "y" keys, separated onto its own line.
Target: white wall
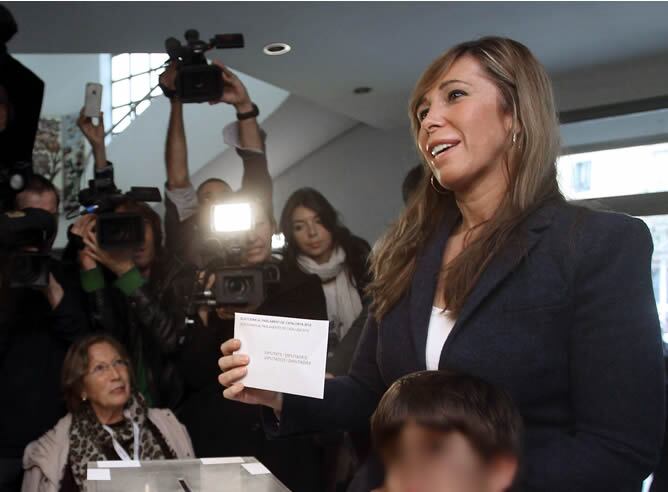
{"x": 638, "y": 78}
{"x": 65, "y": 77}
{"x": 360, "y": 173}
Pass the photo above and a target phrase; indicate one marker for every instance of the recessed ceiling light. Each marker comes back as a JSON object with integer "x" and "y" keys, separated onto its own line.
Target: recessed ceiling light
{"x": 362, "y": 90}
{"x": 275, "y": 49}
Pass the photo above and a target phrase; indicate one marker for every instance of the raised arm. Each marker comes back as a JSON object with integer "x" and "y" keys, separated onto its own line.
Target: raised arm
{"x": 176, "y": 150}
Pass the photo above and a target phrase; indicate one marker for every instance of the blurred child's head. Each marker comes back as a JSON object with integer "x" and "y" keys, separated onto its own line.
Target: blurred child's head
{"x": 440, "y": 431}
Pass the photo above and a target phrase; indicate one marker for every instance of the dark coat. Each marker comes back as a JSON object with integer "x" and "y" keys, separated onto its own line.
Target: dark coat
{"x": 33, "y": 342}
{"x": 570, "y": 330}
{"x": 220, "y": 427}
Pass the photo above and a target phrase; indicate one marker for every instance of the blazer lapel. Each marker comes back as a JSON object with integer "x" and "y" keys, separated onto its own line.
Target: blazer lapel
{"x": 502, "y": 265}
{"x": 423, "y": 285}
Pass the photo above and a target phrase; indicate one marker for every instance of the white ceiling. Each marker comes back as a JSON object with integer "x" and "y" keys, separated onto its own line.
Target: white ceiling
{"x": 338, "y": 46}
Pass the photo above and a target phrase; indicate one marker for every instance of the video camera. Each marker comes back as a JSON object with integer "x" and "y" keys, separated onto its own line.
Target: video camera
{"x": 196, "y": 80}
{"x": 236, "y": 284}
{"x": 115, "y": 230}
{"x": 29, "y": 229}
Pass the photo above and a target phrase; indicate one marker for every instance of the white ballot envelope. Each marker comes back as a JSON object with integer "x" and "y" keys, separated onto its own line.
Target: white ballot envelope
{"x": 286, "y": 354}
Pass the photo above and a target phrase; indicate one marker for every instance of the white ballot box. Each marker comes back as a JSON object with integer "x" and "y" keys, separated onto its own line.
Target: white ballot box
{"x": 238, "y": 474}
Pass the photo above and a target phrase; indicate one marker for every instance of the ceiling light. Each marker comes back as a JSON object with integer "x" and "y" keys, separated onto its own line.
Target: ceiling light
{"x": 275, "y": 49}
{"x": 362, "y": 90}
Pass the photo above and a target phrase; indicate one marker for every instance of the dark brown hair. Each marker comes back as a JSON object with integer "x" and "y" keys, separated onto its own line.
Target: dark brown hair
{"x": 356, "y": 251}
{"x": 530, "y": 165}
{"x": 38, "y": 184}
{"x": 448, "y": 401}
{"x": 75, "y": 367}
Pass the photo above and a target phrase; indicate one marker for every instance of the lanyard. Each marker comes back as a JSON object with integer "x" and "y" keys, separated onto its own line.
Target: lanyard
{"x": 122, "y": 454}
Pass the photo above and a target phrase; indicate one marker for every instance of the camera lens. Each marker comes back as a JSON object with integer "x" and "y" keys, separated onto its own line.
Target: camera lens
{"x": 237, "y": 285}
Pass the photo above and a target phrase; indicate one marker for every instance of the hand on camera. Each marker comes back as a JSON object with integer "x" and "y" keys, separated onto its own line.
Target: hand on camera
{"x": 119, "y": 261}
{"x": 167, "y": 81}
{"x": 234, "y": 368}
{"x": 235, "y": 92}
{"x": 81, "y": 228}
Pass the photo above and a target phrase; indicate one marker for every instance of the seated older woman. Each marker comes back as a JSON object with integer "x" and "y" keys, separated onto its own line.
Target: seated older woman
{"x": 107, "y": 420}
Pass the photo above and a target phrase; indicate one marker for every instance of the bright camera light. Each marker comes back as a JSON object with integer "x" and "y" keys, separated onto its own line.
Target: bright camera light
{"x": 277, "y": 241}
{"x": 232, "y": 217}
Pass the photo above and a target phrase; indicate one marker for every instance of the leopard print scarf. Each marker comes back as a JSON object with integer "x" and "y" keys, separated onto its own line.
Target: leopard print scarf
{"x": 90, "y": 442}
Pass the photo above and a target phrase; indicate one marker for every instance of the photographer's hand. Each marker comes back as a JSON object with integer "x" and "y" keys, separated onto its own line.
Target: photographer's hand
{"x": 81, "y": 228}
{"x": 95, "y": 136}
{"x": 167, "y": 80}
{"x": 119, "y": 262}
{"x": 235, "y": 92}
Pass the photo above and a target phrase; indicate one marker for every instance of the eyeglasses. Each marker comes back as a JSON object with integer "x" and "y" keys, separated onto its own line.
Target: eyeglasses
{"x": 103, "y": 367}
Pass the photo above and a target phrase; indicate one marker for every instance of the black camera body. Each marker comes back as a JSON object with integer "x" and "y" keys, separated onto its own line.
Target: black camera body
{"x": 236, "y": 284}
{"x": 243, "y": 286}
{"x": 116, "y": 230}
{"x": 25, "y": 238}
{"x": 196, "y": 80}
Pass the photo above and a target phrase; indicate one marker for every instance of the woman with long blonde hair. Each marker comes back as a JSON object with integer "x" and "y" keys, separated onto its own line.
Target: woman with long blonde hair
{"x": 489, "y": 271}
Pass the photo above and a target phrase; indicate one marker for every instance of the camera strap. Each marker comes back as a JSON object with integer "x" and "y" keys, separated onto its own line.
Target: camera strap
{"x": 122, "y": 454}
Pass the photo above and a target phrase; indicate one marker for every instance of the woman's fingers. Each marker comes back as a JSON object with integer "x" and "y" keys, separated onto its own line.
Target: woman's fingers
{"x": 230, "y": 346}
{"x": 231, "y": 361}
{"x": 234, "y": 392}
{"x": 232, "y": 376}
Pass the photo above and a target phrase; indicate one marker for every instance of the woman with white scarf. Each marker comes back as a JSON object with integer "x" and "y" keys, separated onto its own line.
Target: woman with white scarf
{"x": 319, "y": 244}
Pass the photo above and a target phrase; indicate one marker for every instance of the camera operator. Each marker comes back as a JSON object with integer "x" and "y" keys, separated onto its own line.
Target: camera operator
{"x": 220, "y": 427}
{"x": 37, "y": 327}
{"x": 182, "y": 202}
{"x": 135, "y": 294}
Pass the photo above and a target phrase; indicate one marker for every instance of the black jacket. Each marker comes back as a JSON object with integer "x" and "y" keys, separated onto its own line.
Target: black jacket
{"x": 150, "y": 322}
{"x": 570, "y": 330}
{"x": 220, "y": 427}
{"x": 33, "y": 342}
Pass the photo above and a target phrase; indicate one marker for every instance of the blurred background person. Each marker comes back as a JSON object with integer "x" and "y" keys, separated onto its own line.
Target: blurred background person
{"x": 220, "y": 427}
{"x": 186, "y": 210}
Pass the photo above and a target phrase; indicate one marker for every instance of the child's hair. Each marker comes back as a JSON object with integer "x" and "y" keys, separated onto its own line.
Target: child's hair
{"x": 448, "y": 401}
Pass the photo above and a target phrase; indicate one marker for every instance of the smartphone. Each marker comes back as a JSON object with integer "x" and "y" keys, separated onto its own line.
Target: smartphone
{"x": 93, "y": 100}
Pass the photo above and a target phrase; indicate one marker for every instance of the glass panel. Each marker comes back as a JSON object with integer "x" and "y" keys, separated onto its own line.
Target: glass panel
{"x": 120, "y": 93}
{"x": 158, "y": 59}
{"x": 120, "y": 66}
{"x": 155, "y": 78}
{"x": 139, "y": 86}
{"x": 123, "y": 124}
{"x": 628, "y": 171}
{"x": 118, "y": 113}
{"x": 139, "y": 63}
{"x": 142, "y": 106}
{"x": 157, "y": 92}
{"x": 658, "y": 226}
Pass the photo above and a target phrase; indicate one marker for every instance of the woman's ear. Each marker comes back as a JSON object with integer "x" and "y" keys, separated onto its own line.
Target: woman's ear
{"x": 502, "y": 471}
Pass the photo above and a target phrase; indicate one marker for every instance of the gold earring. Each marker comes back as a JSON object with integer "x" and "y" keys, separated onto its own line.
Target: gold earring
{"x": 439, "y": 189}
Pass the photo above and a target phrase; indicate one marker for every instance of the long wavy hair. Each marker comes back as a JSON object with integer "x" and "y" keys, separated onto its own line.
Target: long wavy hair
{"x": 356, "y": 249}
{"x": 526, "y": 93}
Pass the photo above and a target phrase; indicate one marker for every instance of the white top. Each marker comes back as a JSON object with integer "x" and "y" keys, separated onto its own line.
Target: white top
{"x": 440, "y": 326}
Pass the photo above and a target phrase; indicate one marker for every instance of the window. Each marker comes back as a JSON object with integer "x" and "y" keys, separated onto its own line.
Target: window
{"x": 133, "y": 77}
{"x": 634, "y": 170}
{"x": 582, "y": 176}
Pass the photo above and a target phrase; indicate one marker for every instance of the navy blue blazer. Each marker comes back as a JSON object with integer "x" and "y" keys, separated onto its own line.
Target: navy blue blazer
{"x": 570, "y": 330}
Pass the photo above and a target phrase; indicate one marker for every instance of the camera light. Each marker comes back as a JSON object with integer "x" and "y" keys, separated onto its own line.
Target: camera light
{"x": 232, "y": 217}
{"x": 278, "y": 241}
